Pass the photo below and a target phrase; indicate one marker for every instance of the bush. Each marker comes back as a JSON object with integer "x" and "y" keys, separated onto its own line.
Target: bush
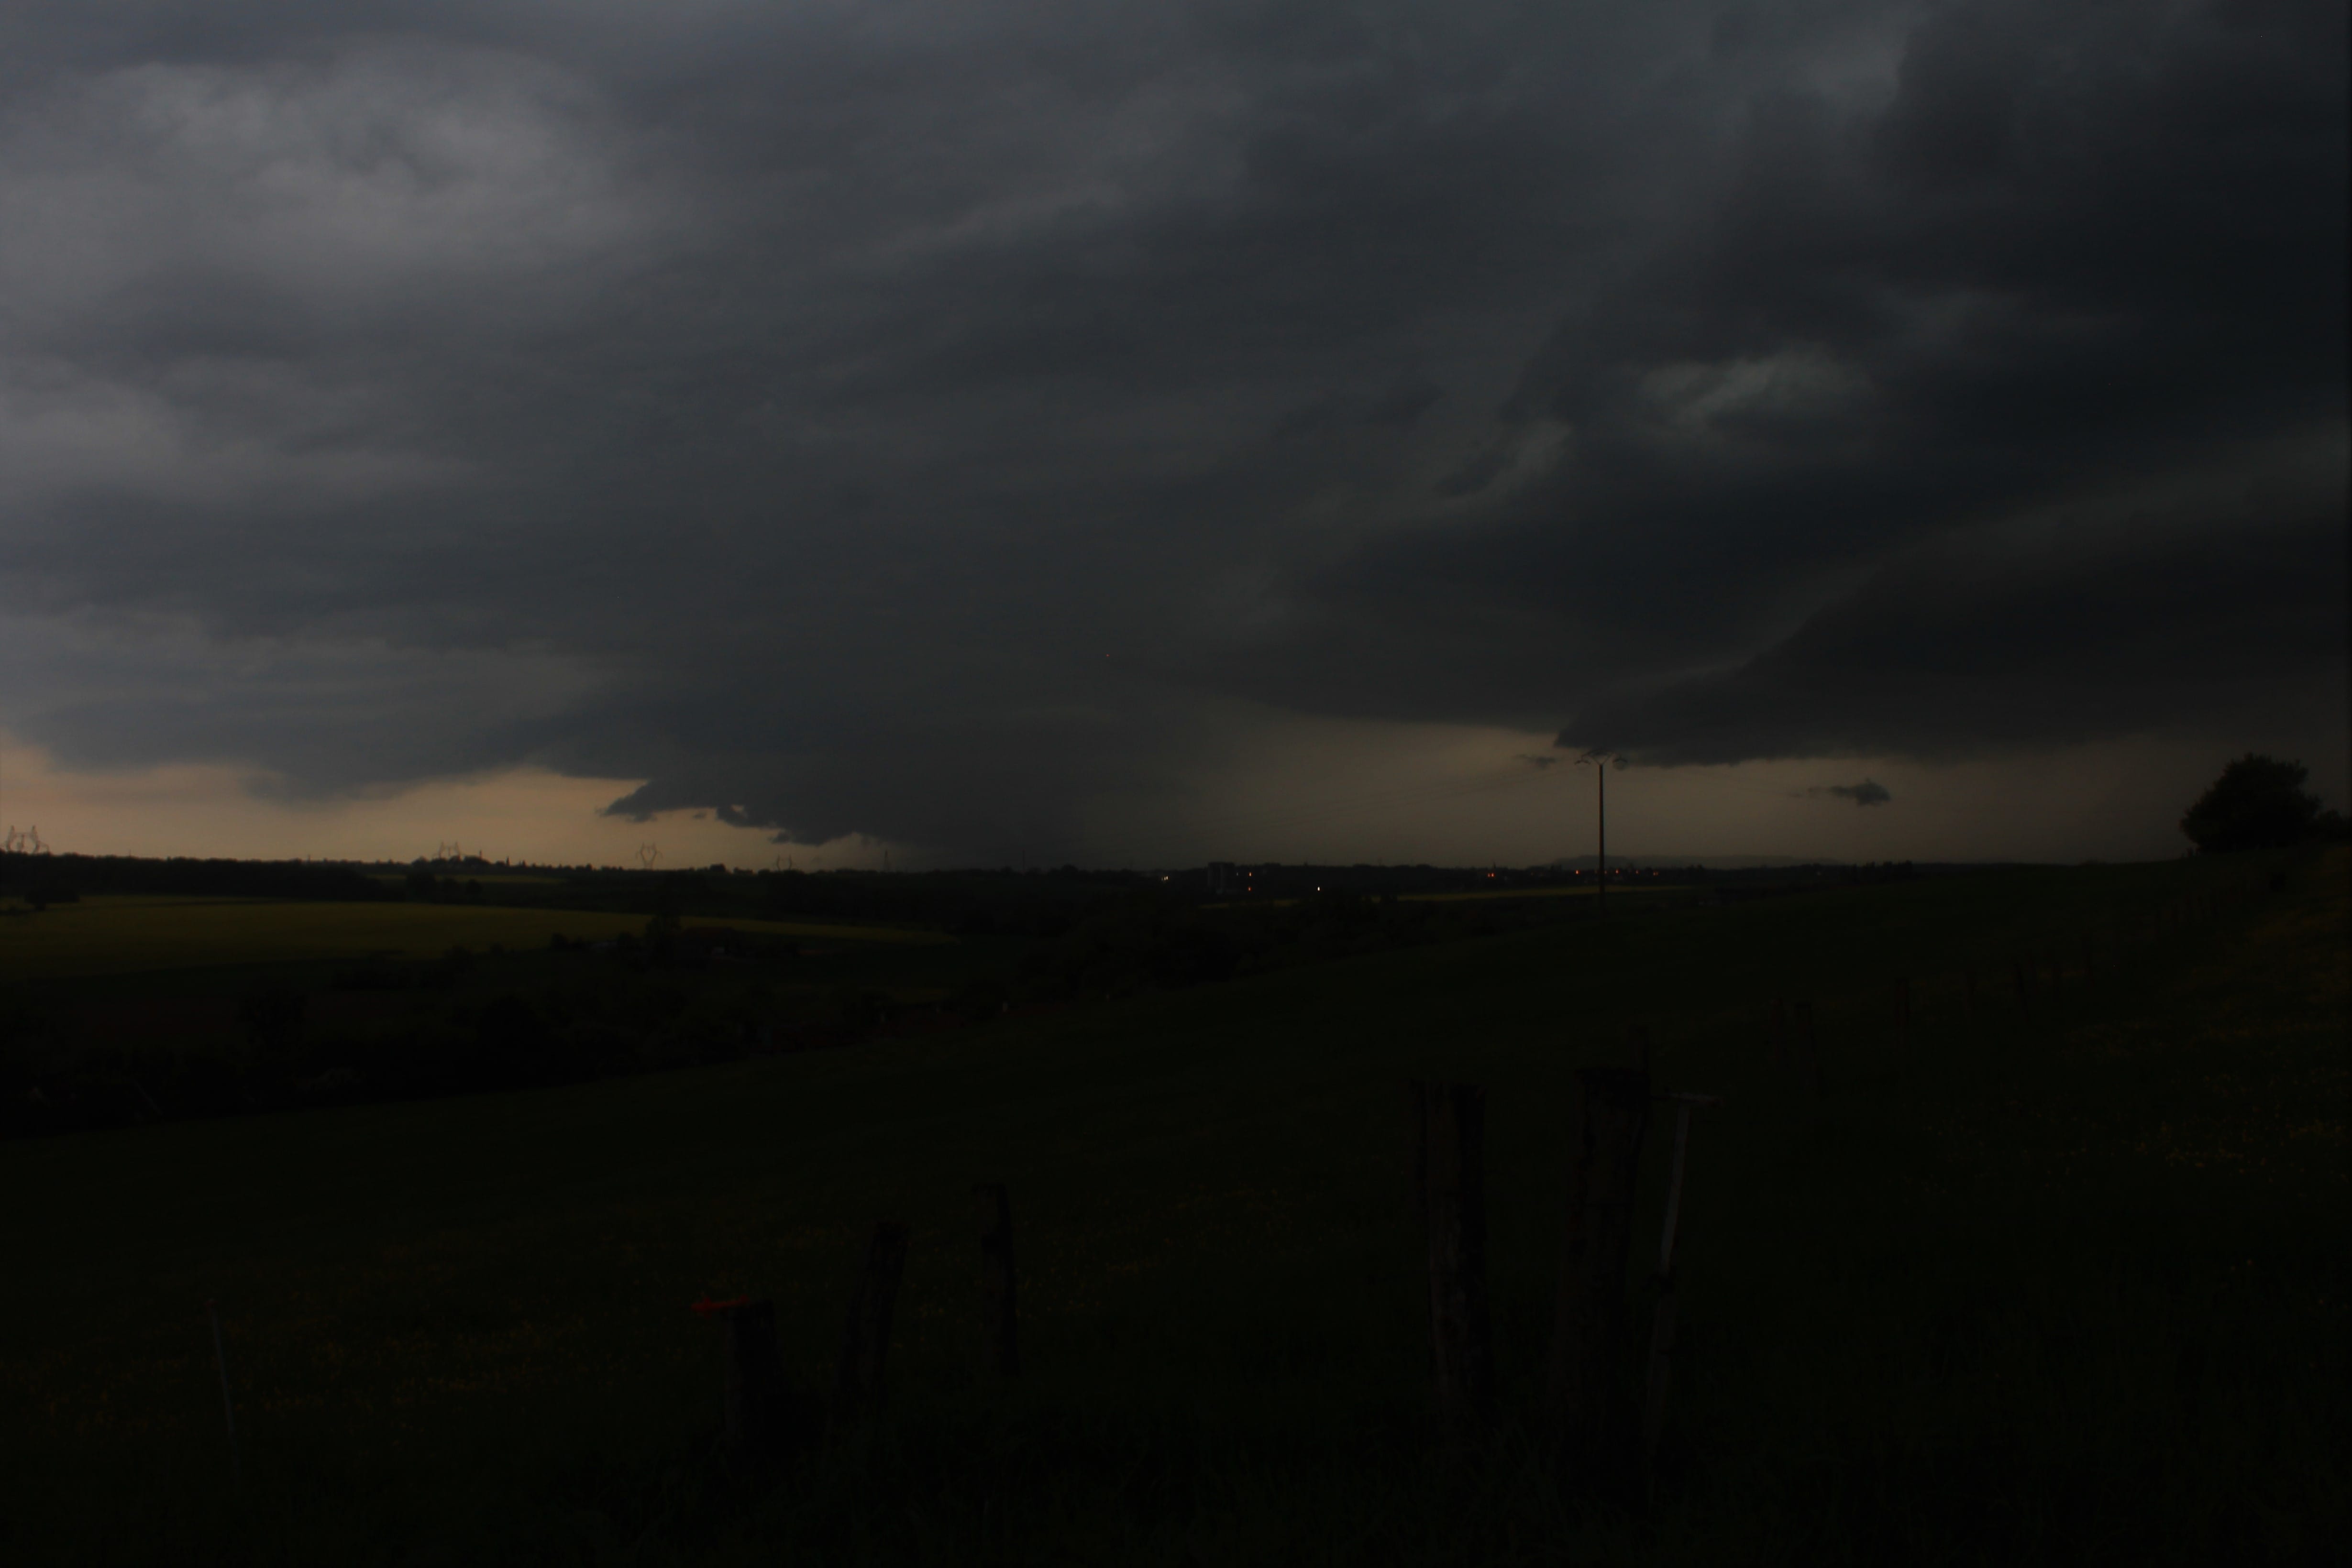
{"x": 1128, "y": 944}
{"x": 2258, "y": 803}
{"x": 273, "y": 1018}
{"x": 374, "y": 974}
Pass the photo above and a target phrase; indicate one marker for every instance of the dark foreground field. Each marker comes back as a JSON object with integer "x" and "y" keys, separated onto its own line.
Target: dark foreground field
{"x": 2059, "y": 1280}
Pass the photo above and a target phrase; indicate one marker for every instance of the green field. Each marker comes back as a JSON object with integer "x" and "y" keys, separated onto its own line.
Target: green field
{"x": 1478, "y": 896}
{"x": 1570, "y": 891}
{"x": 125, "y": 935}
{"x": 488, "y": 878}
{"x": 2059, "y": 1280}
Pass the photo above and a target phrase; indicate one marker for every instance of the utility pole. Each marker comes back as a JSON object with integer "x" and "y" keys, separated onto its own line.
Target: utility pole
{"x": 1600, "y": 761}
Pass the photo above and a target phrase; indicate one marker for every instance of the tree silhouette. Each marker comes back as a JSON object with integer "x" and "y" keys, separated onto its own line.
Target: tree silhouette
{"x": 2258, "y": 803}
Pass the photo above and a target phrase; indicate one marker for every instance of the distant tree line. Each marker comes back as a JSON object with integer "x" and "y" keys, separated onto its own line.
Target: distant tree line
{"x": 422, "y": 887}
{"x": 964, "y": 902}
{"x": 62, "y": 877}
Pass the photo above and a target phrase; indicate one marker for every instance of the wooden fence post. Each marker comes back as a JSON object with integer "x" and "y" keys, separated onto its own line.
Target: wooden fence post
{"x": 758, "y": 1402}
{"x": 1662, "y": 1319}
{"x": 1903, "y": 1012}
{"x": 1779, "y": 1031}
{"x": 1449, "y": 1162}
{"x": 1000, "y": 1343}
{"x": 228, "y": 1404}
{"x": 866, "y": 1344}
{"x": 1809, "y": 1054}
{"x": 1589, "y": 1322}
{"x": 1969, "y": 976}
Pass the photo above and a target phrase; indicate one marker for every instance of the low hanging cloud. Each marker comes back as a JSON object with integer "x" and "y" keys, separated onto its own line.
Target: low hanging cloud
{"x": 1869, "y": 792}
{"x": 927, "y": 422}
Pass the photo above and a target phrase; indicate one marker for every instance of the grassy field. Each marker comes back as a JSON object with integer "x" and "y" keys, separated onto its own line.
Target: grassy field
{"x": 488, "y": 878}
{"x": 1490, "y": 897}
{"x": 1620, "y": 888}
{"x": 125, "y": 935}
{"x": 2060, "y": 1279}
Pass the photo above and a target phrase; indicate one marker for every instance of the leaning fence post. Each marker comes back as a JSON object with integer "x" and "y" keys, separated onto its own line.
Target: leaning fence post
{"x": 758, "y": 1404}
{"x": 1449, "y": 1162}
{"x": 1662, "y": 1320}
{"x": 1588, "y": 1330}
{"x": 999, "y": 1322}
{"x": 866, "y": 1345}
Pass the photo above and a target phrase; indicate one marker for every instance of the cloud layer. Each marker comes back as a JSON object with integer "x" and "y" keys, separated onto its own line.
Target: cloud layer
{"x": 932, "y": 420}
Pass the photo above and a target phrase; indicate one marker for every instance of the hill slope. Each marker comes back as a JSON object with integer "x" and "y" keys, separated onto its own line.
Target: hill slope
{"x": 2053, "y": 1280}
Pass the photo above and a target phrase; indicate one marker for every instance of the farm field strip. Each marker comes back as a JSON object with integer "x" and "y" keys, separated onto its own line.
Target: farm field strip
{"x": 106, "y": 935}
{"x": 1570, "y": 892}
{"x": 487, "y": 878}
{"x": 1474, "y": 897}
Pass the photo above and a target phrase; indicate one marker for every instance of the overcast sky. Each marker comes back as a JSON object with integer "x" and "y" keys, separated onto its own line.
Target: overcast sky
{"x": 1044, "y": 431}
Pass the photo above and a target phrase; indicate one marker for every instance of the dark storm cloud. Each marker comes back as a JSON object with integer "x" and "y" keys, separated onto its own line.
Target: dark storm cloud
{"x": 2029, "y": 640}
{"x": 907, "y": 419}
{"x": 2075, "y": 251}
{"x": 2070, "y": 250}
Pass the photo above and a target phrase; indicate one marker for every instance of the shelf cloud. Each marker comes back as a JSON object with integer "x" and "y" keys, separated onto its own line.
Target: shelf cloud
{"x": 932, "y": 421}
